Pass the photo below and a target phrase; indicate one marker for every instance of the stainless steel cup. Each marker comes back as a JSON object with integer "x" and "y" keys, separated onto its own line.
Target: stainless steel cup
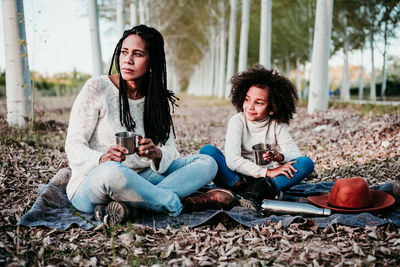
{"x": 129, "y": 140}
{"x": 258, "y": 151}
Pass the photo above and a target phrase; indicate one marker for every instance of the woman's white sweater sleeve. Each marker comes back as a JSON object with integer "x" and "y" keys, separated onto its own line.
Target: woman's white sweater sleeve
{"x": 83, "y": 119}
{"x": 233, "y": 150}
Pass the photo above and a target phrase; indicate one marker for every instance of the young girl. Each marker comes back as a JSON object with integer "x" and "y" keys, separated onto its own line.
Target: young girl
{"x": 265, "y": 101}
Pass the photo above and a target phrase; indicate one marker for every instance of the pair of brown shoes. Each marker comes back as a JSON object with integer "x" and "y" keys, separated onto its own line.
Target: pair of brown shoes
{"x": 213, "y": 199}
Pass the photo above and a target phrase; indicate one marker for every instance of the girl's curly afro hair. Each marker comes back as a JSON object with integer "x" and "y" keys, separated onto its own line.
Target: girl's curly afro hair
{"x": 282, "y": 94}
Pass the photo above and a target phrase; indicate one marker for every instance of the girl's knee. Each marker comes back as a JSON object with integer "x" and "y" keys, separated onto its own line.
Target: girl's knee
{"x": 209, "y": 150}
{"x": 306, "y": 164}
{"x": 309, "y": 163}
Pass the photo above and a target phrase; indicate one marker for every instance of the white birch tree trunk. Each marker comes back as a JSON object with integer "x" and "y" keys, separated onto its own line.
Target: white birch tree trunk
{"x": 383, "y": 89}
{"x": 212, "y": 61}
{"x": 372, "y": 94}
{"x": 222, "y": 51}
{"x": 287, "y": 65}
{"x": 319, "y": 87}
{"x": 120, "y": 17}
{"x": 95, "y": 39}
{"x": 345, "y": 90}
{"x": 298, "y": 78}
{"x": 361, "y": 79}
{"x": 133, "y": 8}
{"x": 18, "y": 79}
{"x": 244, "y": 35}
{"x": 230, "y": 66}
{"x": 141, "y": 12}
{"x": 265, "y": 33}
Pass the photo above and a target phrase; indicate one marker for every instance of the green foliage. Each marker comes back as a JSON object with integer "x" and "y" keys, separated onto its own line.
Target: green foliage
{"x": 392, "y": 89}
{"x": 59, "y": 84}
{"x": 2, "y": 83}
{"x": 366, "y": 109}
{"x": 393, "y": 69}
{"x": 349, "y": 24}
{"x": 292, "y": 29}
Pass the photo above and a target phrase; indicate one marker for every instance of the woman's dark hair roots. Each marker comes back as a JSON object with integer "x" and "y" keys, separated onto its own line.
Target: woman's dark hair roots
{"x": 282, "y": 94}
{"x": 157, "y": 116}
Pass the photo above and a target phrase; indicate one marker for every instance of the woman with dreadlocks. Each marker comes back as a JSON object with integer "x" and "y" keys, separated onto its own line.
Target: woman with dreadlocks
{"x": 104, "y": 179}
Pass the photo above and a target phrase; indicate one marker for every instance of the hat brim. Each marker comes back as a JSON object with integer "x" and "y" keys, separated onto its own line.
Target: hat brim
{"x": 381, "y": 200}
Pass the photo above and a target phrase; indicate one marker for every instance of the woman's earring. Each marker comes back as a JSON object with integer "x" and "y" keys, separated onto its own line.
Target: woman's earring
{"x": 271, "y": 113}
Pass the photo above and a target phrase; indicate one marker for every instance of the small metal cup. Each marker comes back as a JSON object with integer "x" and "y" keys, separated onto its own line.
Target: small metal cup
{"x": 258, "y": 151}
{"x": 129, "y": 140}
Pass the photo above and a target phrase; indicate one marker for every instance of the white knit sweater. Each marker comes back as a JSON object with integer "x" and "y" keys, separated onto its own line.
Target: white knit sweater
{"x": 92, "y": 126}
{"x": 242, "y": 134}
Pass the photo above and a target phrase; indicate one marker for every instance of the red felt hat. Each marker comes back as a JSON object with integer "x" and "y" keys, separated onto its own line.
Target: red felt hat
{"x": 353, "y": 195}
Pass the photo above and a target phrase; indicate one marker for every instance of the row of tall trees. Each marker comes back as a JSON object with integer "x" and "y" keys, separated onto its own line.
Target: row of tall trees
{"x": 208, "y": 41}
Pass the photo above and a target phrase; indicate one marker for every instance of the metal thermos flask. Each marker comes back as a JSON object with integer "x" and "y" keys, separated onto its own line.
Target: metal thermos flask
{"x": 292, "y": 208}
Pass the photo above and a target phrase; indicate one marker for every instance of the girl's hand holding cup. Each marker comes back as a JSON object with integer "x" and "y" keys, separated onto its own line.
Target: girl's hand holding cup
{"x": 273, "y": 155}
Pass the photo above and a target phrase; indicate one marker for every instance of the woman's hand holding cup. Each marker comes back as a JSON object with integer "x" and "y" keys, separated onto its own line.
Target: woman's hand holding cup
{"x": 148, "y": 150}
{"x": 114, "y": 153}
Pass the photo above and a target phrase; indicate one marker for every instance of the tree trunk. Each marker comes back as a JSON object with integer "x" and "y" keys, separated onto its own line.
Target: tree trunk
{"x": 298, "y": 78}
{"x": 222, "y": 51}
{"x": 231, "y": 46}
{"x": 95, "y": 39}
{"x": 361, "y": 80}
{"x": 372, "y": 94}
{"x": 345, "y": 90}
{"x": 142, "y": 19}
{"x": 383, "y": 89}
{"x": 265, "y": 33}
{"x": 213, "y": 63}
{"x": 134, "y": 20}
{"x": 319, "y": 87}
{"x": 18, "y": 79}
{"x": 120, "y": 17}
{"x": 287, "y": 65}
{"x": 244, "y": 35}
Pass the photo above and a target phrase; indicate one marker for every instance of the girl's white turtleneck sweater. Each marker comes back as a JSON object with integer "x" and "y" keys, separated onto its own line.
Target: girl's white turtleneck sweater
{"x": 242, "y": 134}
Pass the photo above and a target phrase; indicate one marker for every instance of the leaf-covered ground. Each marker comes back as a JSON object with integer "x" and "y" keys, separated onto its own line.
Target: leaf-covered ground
{"x": 342, "y": 143}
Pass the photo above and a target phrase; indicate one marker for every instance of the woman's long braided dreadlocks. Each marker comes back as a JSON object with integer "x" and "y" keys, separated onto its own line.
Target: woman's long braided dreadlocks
{"x": 157, "y": 116}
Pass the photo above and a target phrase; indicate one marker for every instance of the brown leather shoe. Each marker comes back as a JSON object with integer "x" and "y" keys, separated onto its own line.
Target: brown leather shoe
{"x": 214, "y": 199}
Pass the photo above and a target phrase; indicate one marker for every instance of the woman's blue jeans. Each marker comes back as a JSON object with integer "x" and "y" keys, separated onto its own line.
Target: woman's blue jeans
{"x": 227, "y": 178}
{"x": 147, "y": 189}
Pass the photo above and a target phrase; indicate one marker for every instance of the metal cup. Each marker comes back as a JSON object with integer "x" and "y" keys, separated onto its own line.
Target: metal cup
{"x": 258, "y": 151}
{"x": 129, "y": 140}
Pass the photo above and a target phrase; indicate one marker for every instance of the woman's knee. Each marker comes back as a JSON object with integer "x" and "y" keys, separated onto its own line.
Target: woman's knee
{"x": 109, "y": 173}
{"x": 210, "y": 163}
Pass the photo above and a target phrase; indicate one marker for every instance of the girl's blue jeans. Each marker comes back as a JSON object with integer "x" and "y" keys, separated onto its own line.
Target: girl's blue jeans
{"x": 147, "y": 189}
{"x": 227, "y": 178}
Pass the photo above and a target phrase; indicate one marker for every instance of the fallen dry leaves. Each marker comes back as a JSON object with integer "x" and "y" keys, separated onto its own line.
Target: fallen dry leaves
{"x": 342, "y": 143}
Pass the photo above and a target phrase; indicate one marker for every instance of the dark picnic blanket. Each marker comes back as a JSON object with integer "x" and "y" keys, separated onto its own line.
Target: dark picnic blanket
{"x": 52, "y": 209}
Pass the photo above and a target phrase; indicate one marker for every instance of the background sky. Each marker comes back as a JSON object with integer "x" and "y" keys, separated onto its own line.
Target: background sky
{"x": 59, "y": 39}
{"x": 58, "y": 36}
